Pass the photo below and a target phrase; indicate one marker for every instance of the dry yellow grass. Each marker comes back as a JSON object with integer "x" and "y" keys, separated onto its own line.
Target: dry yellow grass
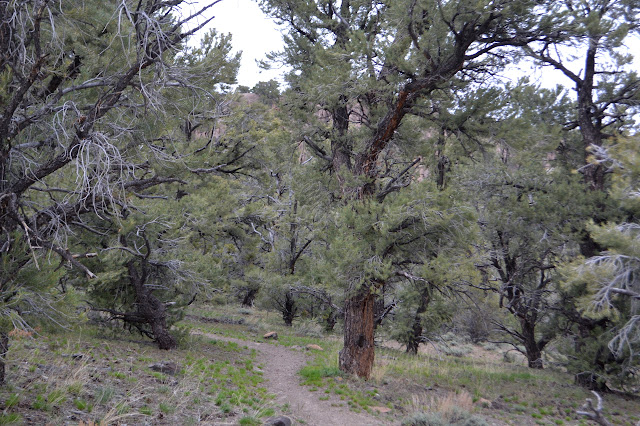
{"x": 379, "y": 370}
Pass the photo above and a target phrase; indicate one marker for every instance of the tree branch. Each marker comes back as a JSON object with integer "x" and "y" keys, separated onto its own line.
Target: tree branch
{"x": 594, "y": 413}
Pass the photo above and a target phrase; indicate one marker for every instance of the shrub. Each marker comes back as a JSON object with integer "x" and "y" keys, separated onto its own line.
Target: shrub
{"x": 509, "y": 357}
{"x": 424, "y": 419}
{"x": 309, "y": 329}
{"x": 457, "y": 417}
{"x": 475, "y": 322}
{"x": 458, "y": 351}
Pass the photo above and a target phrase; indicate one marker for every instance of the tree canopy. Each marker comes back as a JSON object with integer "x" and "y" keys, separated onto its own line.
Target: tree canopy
{"x": 401, "y": 177}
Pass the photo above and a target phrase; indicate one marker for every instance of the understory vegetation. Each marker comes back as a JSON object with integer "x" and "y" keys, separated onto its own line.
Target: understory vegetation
{"x": 83, "y": 375}
{"x": 92, "y": 374}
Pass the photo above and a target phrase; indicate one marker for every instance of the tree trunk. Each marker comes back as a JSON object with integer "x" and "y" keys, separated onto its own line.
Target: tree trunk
{"x": 356, "y": 357}
{"x": 444, "y": 165}
{"x": 414, "y": 341}
{"x": 378, "y": 310}
{"x": 532, "y": 349}
{"x": 4, "y": 348}
{"x": 330, "y": 323}
{"x": 416, "y": 335}
{"x": 289, "y": 309}
{"x": 249, "y": 297}
{"x": 590, "y": 119}
{"x": 340, "y": 144}
{"x": 164, "y": 339}
{"x": 151, "y": 310}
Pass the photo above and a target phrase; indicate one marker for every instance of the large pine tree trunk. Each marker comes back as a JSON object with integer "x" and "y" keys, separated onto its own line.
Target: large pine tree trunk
{"x": 358, "y": 353}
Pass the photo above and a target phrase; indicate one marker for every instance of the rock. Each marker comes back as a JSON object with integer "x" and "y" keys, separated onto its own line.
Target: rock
{"x": 278, "y": 421}
{"x": 271, "y": 335}
{"x": 311, "y": 346}
{"x": 166, "y": 367}
{"x": 381, "y": 409}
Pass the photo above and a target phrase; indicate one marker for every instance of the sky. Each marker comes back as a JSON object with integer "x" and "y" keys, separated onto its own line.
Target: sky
{"x": 252, "y": 33}
{"x": 256, "y": 35}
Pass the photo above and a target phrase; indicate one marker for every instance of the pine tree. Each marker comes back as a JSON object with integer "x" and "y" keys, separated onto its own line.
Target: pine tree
{"x": 72, "y": 141}
{"x": 607, "y": 283}
{"x": 590, "y": 51}
{"x": 361, "y": 69}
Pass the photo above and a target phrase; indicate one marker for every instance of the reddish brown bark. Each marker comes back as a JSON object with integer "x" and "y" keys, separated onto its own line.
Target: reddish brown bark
{"x": 386, "y": 129}
{"x": 358, "y": 353}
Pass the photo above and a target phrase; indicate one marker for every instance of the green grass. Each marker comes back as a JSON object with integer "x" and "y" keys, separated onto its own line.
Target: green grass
{"x": 40, "y": 403}
{"x": 99, "y": 385}
{"x": 442, "y": 372}
{"x": 166, "y": 408}
{"x": 220, "y": 379}
{"x": 10, "y": 418}
{"x": 104, "y": 395}
{"x": 12, "y": 400}
{"x": 118, "y": 375}
{"x": 250, "y": 421}
{"x": 82, "y": 405}
{"x": 314, "y": 375}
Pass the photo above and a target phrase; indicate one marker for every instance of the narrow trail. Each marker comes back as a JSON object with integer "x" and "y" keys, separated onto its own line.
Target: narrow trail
{"x": 281, "y": 366}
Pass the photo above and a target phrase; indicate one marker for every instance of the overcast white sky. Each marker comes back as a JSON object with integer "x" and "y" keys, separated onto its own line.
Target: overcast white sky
{"x": 253, "y": 33}
{"x": 256, "y": 35}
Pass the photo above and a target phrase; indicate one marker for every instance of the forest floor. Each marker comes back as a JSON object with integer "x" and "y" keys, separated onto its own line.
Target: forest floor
{"x": 281, "y": 366}
{"x": 227, "y": 373}
{"x": 452, "y": 381}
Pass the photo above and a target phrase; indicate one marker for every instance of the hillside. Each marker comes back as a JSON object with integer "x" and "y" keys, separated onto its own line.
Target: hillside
{"x": 229, "y": 374}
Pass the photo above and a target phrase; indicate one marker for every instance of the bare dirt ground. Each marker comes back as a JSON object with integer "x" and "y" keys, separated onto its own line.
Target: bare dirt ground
{"x": 281, "y": 366}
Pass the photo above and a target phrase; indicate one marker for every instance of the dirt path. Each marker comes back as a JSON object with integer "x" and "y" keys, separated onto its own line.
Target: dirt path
{"x": 281, "y": 366}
